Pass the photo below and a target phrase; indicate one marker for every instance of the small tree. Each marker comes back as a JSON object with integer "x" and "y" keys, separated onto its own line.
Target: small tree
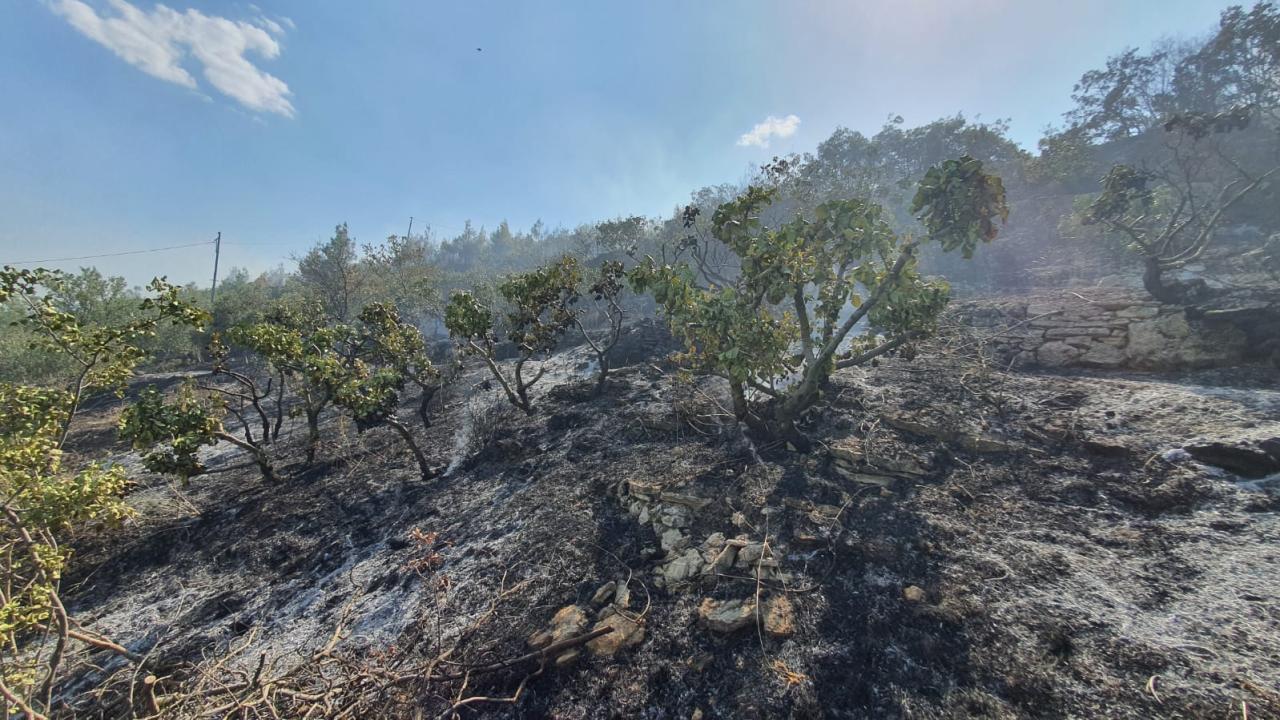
{"x": 368, "y": 375}
{"x": 605, "y": 293}
{"x": 394, "y": 343}
{"x": 784, "y": 325}
{"x": 43, "y": 503}
{"x": 295, "y": 341}
{"x": 103, "y": 356}
{"x": 331, "y": 271}
{"x": 1170, "y": 211}
{"x": 171, "y": 432}
{"x": 540, "y": 312}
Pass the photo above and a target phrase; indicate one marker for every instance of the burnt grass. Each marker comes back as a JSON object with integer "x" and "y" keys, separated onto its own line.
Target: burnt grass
{"x": 1080, "y": 571}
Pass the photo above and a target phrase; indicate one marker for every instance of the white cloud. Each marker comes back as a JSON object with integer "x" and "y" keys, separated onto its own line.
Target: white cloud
{"x": 771, "y": 127}
{"x": 159, "y": 41}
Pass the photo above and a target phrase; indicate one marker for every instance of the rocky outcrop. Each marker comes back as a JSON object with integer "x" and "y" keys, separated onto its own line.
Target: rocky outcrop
{"x": 1102, "y": 328}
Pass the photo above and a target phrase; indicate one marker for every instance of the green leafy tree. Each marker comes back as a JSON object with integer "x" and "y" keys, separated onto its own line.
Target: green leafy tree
{"x": 332, "y": 273}
{"x": 786, "y": 323}
{"x": 171, "y": 432}
{"x": 42, "y": 502}
{"x": 370, "y": 369}
{"x": 102, "y": 356}
{"x": 295, "y": 341}
{"x": 540, "y": 310}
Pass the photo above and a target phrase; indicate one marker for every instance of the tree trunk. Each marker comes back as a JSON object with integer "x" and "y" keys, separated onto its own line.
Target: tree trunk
{"x": 423, "y": 466}
{"x": 1154, "y": 281}
{"x": 275, "y": 431}
{"x": 604, "y": 372}
{"x": 313, "y": 433}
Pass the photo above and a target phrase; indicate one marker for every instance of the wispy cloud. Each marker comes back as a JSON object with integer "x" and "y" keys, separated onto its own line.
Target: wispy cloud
{"x": 161, "y": 40}
{"x": 772, "y": 127}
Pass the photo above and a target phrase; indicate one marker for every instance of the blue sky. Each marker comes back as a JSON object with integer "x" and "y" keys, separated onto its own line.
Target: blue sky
{"x": 131, "y": 125}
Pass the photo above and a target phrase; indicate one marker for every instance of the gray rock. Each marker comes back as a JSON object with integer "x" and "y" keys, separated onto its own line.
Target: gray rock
{"x": 1057, "y": 354}
{"x": 682, "y": 568}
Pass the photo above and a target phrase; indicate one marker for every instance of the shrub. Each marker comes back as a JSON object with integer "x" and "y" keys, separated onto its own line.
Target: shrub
{"x": 541, "y": 311}
{"x": 784, "y": 325}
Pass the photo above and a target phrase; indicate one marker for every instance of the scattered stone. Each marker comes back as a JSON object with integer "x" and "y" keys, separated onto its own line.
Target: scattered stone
{"x": 622, "y": 595}
{"x": 726, "y": 616}
{"x": 645, "y": 491}
{"x": 724, "y": 560}
{"x": 603, "y": 594}
{"x": 692, "y": 502}
{"x": 673, "y": 540}
{"x": 749, "y": 554}
{"x": 863, "y": 478}
{"x": 1057, "y": 354}
{"x": 913, "y": 593}
{"x": 1244, "y": 459}
{"x": 714, "y": 541}
{"x": 738, "y": 519}
{"x": 682, "y": 568}
{"x": 626, "y": 633}
{"x": 569, "y": 621}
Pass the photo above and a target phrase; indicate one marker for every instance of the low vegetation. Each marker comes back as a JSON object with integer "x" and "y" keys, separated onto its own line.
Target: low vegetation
{"x": 840, "y": 259}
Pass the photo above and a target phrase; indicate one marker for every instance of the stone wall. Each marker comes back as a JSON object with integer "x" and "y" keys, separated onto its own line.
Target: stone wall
{"x": 1100, "y": 328}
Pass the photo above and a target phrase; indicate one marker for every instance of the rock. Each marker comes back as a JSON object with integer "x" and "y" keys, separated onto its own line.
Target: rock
{"x": 682, "y": 568}
{"x": 738, "y": 519}
{"x": 569, "y": 621}
{"x": 643, "y": 490}
{"x": 1144, "y": 312}
{"x": 1102, "y": 354}
{"x": 622, "y": 595}
{"x": 1246, "y": 460}
{"x": 603, "y": 594}
{"x": 676, "y": 516}
{"x": 779, "y": 617}
{"x": 714, "y": 541}
{"x": 626, "y": 633}
{"x": 913, "y": 593}
{"x": 911, "y": 424}
{"x": 849, "y": 450}
{"x": 749, "y": 554}
{"x": 863, "y": 478}
{"x": 1077, "y": 332}
{"x": 643, "y": 516}
{"x": 724, "y": 560}
{"x": 1107, "y": 447}
{"x": 673, "y": 540}
{"x": 689, "y": 501}
{"x": 726, "y": 616}
{"x": 1057, "y": 354}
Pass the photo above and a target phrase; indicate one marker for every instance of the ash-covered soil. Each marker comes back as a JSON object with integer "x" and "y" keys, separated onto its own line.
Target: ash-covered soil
{"x": 962, "y": 542}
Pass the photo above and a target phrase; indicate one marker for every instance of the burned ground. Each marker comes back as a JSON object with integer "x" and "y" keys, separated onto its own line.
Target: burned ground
{"x": 963, "y": 542}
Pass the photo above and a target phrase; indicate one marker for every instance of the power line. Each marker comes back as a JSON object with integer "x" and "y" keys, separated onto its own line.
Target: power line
{"x": 115, "y": 254}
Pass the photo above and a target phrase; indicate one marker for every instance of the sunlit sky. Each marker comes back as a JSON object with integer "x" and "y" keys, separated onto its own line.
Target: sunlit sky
{"x": 133, "y": 125}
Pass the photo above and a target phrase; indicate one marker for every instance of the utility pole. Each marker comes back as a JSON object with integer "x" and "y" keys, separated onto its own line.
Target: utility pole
{"x": 408, "y": 234}
{"x": 217, "y": 252}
